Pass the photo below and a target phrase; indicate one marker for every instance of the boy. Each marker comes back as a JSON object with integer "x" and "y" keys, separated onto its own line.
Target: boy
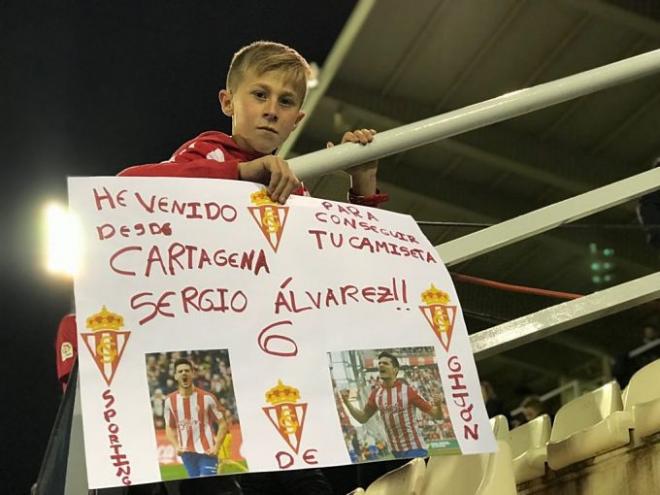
{"x": 266, "y": 87}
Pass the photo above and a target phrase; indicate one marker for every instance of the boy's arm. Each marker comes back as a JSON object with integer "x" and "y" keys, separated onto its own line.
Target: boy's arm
{"x": 204, "y": 157}
{"x": 202, "y": 168}
{"x": 272, "y": 171}
{"x": 363, "y": 189}
{"x": 363, "y": 176}
{"x": 269, "y": 170}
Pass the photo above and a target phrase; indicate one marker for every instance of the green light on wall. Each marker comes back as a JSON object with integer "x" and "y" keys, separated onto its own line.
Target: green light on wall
{"x": 601, "y": 264}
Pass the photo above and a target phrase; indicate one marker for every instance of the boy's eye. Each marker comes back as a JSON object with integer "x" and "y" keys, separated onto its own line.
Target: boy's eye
{"x": 287, "y": 102}
{"x": 259, "y": 94}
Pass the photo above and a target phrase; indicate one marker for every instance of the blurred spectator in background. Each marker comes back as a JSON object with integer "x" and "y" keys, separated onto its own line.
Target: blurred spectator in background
{"x": 158, "y": 407}
{"x": 494, "y": 406}
{"x": 648, "y": 350}
{"x": 648, "y": 212}
{"x": 532, "y": 407}
{"x": 649, "y": 334}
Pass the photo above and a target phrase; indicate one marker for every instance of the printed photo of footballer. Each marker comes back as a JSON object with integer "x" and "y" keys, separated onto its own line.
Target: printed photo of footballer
{"x": 391, "y": 404}
{"x": 194, "y": 411}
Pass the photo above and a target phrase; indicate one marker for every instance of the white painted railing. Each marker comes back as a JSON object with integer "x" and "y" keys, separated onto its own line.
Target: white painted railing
{"x": 557, "y": 318}
{"x": 478, "y": 115}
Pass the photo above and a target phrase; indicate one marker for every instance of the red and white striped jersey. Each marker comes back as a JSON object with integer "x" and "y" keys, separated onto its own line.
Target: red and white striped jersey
{"x": 397, "y": 405}
{"x": 193, "y": 418}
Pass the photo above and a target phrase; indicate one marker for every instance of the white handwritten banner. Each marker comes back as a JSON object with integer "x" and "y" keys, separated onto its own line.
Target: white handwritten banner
{"x": 222, "y": 333}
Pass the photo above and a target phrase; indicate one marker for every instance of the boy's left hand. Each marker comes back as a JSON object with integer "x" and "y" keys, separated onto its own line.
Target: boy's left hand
{"x": 363, "y": 176}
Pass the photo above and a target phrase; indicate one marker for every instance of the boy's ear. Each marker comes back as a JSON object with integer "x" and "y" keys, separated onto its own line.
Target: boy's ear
{"x": 226, "y": 103}
{"x": 301, "y": 115}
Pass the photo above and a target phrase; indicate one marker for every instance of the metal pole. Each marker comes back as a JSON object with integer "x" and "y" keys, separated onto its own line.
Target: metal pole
{"x": 331, "y": 65}
{"x": 543, "y": 219}
{"x": 555, "y": 319}
{"x": 76, "y": 470}
{"x": 475, "y": 116}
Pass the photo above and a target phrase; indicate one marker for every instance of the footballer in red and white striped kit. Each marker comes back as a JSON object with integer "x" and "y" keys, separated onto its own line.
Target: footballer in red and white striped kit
{"x": 396, "y": 402}
{"x": 190, "y": 415}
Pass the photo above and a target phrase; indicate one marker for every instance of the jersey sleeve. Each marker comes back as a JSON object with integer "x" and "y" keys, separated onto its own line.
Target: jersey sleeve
{"x": 196, "y": 158}
{"x": 418, "y": 401}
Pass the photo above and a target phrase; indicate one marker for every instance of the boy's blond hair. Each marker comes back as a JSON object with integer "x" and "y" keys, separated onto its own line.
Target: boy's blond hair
{"x": 266, "y": 56}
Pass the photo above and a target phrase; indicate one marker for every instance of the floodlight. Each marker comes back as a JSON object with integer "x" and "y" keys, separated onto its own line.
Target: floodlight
{"x": 63, "y": 240}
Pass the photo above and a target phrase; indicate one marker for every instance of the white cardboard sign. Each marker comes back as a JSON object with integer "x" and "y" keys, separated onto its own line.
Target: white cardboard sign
{"x": 282, "y": 313}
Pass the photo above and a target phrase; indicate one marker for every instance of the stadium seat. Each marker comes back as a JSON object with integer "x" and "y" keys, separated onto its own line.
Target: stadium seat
{"x": 461, "y": 473}
{"x": 589, "y": 425}
{"x": 529, "y": 448}
{"x": 482, "y": 474}
{"x": 405, "y": 480}
{"x": 498, "y": 476}
{"x": 642, "y": 400}
{"x": 500, "y": 426}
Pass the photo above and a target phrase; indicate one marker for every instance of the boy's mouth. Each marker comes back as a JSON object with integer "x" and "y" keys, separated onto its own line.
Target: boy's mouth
{"x": 269, "y": 129}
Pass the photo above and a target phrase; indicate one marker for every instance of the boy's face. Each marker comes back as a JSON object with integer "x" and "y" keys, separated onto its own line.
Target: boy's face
{"x": 264, "y": 109}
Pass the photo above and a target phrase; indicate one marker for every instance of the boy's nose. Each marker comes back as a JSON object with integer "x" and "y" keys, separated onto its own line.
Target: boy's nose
{"x": 270, "y": 111}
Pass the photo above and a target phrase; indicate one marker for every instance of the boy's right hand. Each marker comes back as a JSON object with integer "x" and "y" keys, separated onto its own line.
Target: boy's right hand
{"x": 273, "y": 172}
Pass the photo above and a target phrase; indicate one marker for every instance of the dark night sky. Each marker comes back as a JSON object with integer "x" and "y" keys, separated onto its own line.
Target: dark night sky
{"x": 88, "y": 88}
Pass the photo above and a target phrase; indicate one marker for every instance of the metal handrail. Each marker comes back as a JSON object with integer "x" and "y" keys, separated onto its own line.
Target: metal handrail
{"x": 552, "y": 320}
{"x": 488, "y": 112}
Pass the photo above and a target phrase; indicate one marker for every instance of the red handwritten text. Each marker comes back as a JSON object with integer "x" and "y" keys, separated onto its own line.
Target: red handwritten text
{"x": 108, "y": 231}
{"x": 118, "y": 458}
{"x": 189, "y": 299}
{"x": 286, "y": 460}
{"x": 297, "y": 302}
{"x": 180, "y": 257}
{"x": 337, "y": 240}
{"x": 188, "y": 209}
{"x": 461, "y": 398}
{"x": 209, "y": 210}
{"x": 349, "y": 210}
{"x": 268, "y": 342}
{"x": 113, "y": 201}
